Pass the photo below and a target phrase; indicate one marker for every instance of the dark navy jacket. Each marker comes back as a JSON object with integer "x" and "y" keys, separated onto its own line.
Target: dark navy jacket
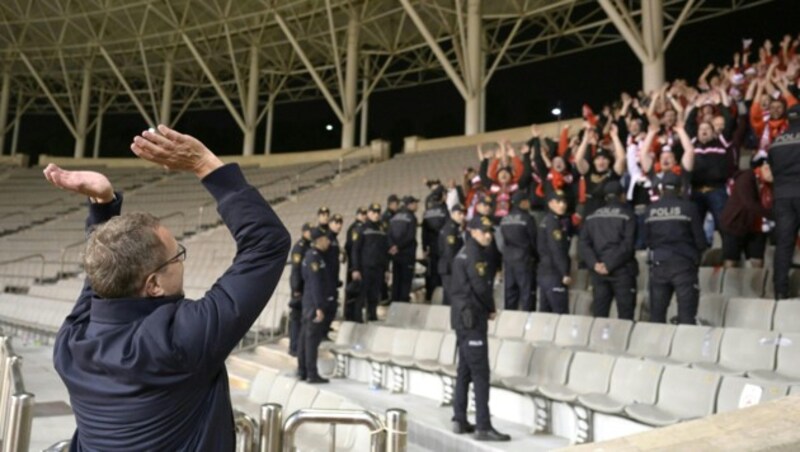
{"x": 317, "y": 281}
{"x": 472, "y": 291}
{"x": 149, "y": 374}
{"x": 450, "y": 242}
{"x": 403, "y": 234}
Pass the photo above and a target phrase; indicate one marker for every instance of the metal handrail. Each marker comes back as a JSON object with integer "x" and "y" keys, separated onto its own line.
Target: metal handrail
{"x": 61, "y": 446}
{"x": 62, "y": 260}
{"x": 24, "y": 258}
{"x": 246, "y": 428}
{"x": 16, "y": 405}
{"x": 346, "y": 417}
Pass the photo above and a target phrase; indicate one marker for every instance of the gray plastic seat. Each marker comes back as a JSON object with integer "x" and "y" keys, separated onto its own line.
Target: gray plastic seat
{"x": 632, "y": 380}
{"x": 650, "y": 340}
{"x": 493, "y": 350}
{"x": 683, "y": 394}
{"x": 359, "y": 339}
{"x": 261, "y": 385}
{"x": 786, "y": 318}
{"x": 403, "y": 344}
{"x": 548, "y": 365}
{"x": 788, "y": 368}
{"x": 744, "y": 282}
{"x": 580, "y": 302}
{"x": 379, "y": 344}
{"x": 588, "y": 373}
{"x": 281, "y": 390}
{"x": 754, "y": 313}
{"x": 743, "y": 350}
{"x": 580, "y": 279}
{"x": 710, "y": 279}
{"x": 445, "y": 359}
{"x": 693, "y": 344}
{"x": 755, "y": 391}
{"x": 418, "y": 316}
{"x": 513, "y": 360}
{"x": 573, "y": 331}
{"x": 610, "y": 335}
{"x": 303, "y": 396}
{"x": 400, "y": 315}
{"x": 541, "y": 327}
{"x": 437, "y": 318}
{"x": 511, "y": 324}
{"x": 426, "y": 348}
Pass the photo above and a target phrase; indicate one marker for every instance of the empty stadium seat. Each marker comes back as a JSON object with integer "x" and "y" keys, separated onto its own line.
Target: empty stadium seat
{"x": 588, "y": 373}
{"x": 711, "y": 309}
{"x": 710, "y": 279}
{"x": 610, "y": 335}
{"x": 511, "y": 324}
{"x": 786, "y": 318}
{"x": 732, "y": 389}
{"x": 573, "y": 331}
{"x": 302, "y": 396}
{"x": 794, "y": 285}
{"x": 693, "y": 344}
{"x": 281, "y": 389}
{"x": 580, "y": 302}
{"x": 359, "y": 339}
{"x": 379, "y": 346}
{"x": 437, "y": 318}
{"x": 683, "y": 394}
{"x": 744, "y": 282}
{"x": 788, "y": 367}
{"x": 541, "y": 327}
{"x": 445, "y": 358}
{"x": 753, "y": 313}
{"x": 580, "y": 279}
{"x": 650, "y": 340}
{"x": 403, "y": 345}
{"x": 548, "y": 365}
{"x": 632, "y": 380}
{"x": 513, "y": 360}
{"x": 400, "y": 314}
{"x": 425, "y": 349}
{"x": 743, "y": 350}
{"x": 261, "y": 386}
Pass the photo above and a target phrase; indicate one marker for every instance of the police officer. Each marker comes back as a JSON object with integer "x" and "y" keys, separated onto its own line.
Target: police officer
{"x": 370, "y": 262}
{"x": 485, "y": 207}
{"x": 403, "y": 248}
{"x": 353, "y": 232}
{"x": 333, "y": 258}
{"x": 296, "y": 284}
{"x": 553, "y": 240}
{"x": 519, "y": 254}
{"x": 607, "y": 246}
{"x": 673, "y": 233}
{"x": 315, "y": 298}
{"x": 450, "y": 242}
{"x": 323, "y": 217}
{"x": 392, "y": 206}
{"x": 784, "y": 160}
{"x": 472, "y": 308}
{"x": 433, "y": 220}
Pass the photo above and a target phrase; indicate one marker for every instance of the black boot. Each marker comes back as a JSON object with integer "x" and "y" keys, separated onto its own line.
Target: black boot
{"x": 491, "y": 435}
{"x": 462, "y": 427}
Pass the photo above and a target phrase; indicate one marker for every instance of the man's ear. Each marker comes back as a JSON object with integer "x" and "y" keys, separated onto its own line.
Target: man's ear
{"x": 152, "y": 288}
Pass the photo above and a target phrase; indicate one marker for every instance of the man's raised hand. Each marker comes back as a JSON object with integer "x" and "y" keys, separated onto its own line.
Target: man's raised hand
{"x": 175, "y": 151}
{"x": 87, "y": 183}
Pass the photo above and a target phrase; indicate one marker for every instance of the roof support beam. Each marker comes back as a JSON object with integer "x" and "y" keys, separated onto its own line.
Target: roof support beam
{"x": 83, "y": 111}
{"x": 350, "y": 94}
{"x": 474, "y": 59}
{"x": 622, "y": 26}
{"x": 127, "y": 87}
{"x": 49, "y": 96}
{"x": 165, "y": 115}
{"x": 502, "y": 52}
{"x": 5, "y": 95}
{"x": 337, "y": 61}
{"x": 251, "y": 105}
{"x": 678, "y": 24}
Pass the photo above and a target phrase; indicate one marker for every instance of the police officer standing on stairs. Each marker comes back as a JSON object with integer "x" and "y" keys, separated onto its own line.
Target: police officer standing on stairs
{"x": 296, "y": 284}
{"x": 352, "y": 234}
{"x": 370, "y": 262}
{"x": 472, "y": 308}
{"x": 315, "y": 300}
{"x": 607, "y": 245}
{"x": 333, "y": 260}
{"x": 403, "y": 248}
{"x": 553, "y": 242}
{"x": 784, "y": 160}
{"x": 433, "y": 220}
{"x": 450, "y": 242}
{"x": 673, "y": 233}
{"x": 518, "y": 229}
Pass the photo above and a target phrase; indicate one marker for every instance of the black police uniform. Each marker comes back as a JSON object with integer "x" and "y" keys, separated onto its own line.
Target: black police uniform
{"x": 386, "y": 217}
{"x": 403, "y": 235}
{"x": 333, "y": 265}
{"x": 352, "y": 233}
{"x": 450, "y": 242}
{"x": 673, "y": 232}
{"x": 315, "y": 296}
{"x": 433, "y": 220}
{"x": 371, "y": 259}
{"x": 608, "y": 236}
{"x": 472, "y": 304}
{"x": 784, "y": 160}
{"x": 518, "y": 229}
{"x": 553, "y": 240}
{"x": 296, "y": 300}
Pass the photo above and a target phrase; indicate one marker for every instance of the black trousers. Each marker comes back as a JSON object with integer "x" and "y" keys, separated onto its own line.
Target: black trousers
{"x": 308, "y": 349}
{"x": 330, "y": 313}
{"x": 295, "y": 318}
{"x": 787, "y": 222}
{"x": 553, "y": 295}
{"x": 371, "y": 280}
{"x": 621, "y": 287}
{"x": 402, "y": 277}
{"x": 473, "y": 367}
{"x": 446, "y": 289}
{"x": 678, "y": 276}
{"x": 519, "y": 281}
{"x": 432, "y": 278}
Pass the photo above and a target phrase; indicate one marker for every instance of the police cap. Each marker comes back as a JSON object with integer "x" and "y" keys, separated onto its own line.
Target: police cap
{"x": 457, "y": 208}
{"x": 374, "y": 207}
{"x": 481, "y": 223}
{"x": 323, "y": 209}
{"x": 670, "y": 180}
{"x": 409, "y": 200}
{"x": 556, "y": 195}
{"x": 317, "y": 233}
{"x": 612, "y": 188}
{"x": 337, "y": 218}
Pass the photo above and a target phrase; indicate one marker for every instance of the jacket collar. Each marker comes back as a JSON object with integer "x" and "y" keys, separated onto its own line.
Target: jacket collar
{"x": 126, "y": 310}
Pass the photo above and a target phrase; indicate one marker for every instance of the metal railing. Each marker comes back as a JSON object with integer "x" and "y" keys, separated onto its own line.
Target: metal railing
{"x": 26, "y": 279}
{"x": 65, "y": 251}
{"x": 16, "y": 405}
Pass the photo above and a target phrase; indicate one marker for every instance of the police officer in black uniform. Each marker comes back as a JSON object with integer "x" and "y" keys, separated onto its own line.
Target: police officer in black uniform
{"x": 392, "y": 206}
{"x": 403, "y": 248}
{"x": 450, "y": 242}
{"x": 472, "y": 308}
{"x": 323, "y": 217}
{"x": 370, "y": 262}
{"x": 315, "y": 298}
{"x": 553, "y": 240}
{"x": 353, "y": 232}
{"x": 296, "y": 283}
{"x": 485, "y": 207}
{"x": 784, "y": 160}
{"x": 673, "y": 232}
{"x": 607, "y": 245}
{"x": 433, "y": 220}
{"x": 333, "y": 259}
{"x": 518, "y": 229}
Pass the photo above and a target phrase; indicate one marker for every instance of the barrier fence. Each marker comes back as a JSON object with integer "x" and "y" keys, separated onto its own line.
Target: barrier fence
{"x": 16, "y": 405}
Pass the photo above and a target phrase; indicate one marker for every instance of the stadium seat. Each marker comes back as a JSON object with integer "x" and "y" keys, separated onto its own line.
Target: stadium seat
{"x": 580, "y": 302}
{"x": 437, "y": 318}
{"x": 588, "y": 373}
{"x": 445, "y": 358}
{"x": 573, "y": 331}
{"x": 513, "y": 360}
{"x": 425, "y": 349}
{"x": 787, "y": 316}
{"x": 281, "y": 390}
{"x": 610, "y": 335}
{"x": 419, "y": 314}
{"x": 711, "y": 309}
{"x": 683, "y": 394}
{"x": 541, "y": 327}
{"x": 493, "y": 349}
{"x": 358, "y": 338}
{"x": 787, "y": 369}
{"x": 794, "y": 285}
{"x": 403, "y": 345}
{"x": 710, "y": 279}
{"x": 580, "y": 279}
{"x": 744, "y": 282}
{"x": 693, "y": 344}
{"x": 732, "y": 390}
{"x": 743, "y": 350}
{"x": 261, "y": 386}
{"x": 400, "y": 315}
{"x": 511, "y": 324}
{"x": 753, "y": 313}
{"x": 303, "y": 396}
{"x": 650, "y": 340}
{"x": 548, "y": 365}
{"x": 380, "y": 343}
{"x": 632, "y": 380}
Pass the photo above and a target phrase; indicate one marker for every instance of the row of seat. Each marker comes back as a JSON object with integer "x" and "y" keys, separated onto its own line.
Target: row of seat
{"x": 33, "y": 313}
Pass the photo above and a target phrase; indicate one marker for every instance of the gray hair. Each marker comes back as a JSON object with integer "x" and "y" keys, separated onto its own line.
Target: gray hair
{"x": 121, "y": 253}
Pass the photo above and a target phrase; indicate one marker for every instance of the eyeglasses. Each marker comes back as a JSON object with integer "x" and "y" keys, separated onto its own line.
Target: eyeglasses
{"x": 181, "y": 256}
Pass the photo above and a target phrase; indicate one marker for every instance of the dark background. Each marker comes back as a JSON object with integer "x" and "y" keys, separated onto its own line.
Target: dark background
{"x": 515, "y": 97}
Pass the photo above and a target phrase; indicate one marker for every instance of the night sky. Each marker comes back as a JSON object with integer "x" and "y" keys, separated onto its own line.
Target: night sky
{"x": 516, "y": 97}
